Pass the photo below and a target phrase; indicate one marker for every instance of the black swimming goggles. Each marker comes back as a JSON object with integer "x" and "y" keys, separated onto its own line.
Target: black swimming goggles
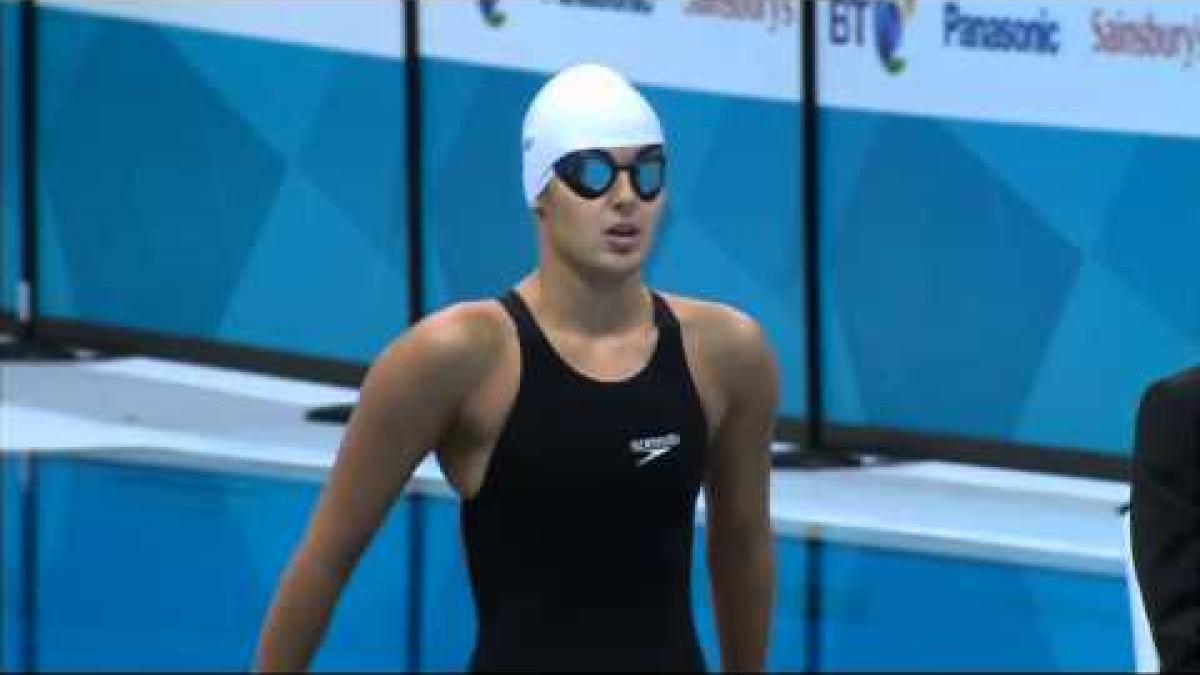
{"x": 592, "y": 172}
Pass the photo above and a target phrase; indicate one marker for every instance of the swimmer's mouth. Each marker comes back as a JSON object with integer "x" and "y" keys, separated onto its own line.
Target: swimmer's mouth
{"x": 624, "y": 231}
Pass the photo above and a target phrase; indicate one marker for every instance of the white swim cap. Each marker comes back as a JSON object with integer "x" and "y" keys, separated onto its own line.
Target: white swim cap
{"x": 583, "y": 106}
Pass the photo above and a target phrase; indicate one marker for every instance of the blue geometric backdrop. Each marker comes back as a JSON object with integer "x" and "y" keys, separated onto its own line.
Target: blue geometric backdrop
{"x": 10, "y": 155}
{"x": 1013, "y": 283}
{"x": 222, "y": 188}
{"x": 1007, "y": 282}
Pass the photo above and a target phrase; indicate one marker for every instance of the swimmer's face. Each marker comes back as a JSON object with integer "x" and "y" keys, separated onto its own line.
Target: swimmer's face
{"x": 610, "y": 230}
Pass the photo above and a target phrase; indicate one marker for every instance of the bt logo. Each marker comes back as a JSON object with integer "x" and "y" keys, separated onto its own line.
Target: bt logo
{"x": 889, "y": 18}
{"x": 493, "y": 16}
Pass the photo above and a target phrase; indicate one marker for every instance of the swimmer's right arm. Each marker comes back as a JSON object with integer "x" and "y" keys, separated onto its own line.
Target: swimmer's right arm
{"x": 408, "y": 400}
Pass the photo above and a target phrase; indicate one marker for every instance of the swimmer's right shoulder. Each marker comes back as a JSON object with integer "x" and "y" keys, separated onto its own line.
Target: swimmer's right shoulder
{"x": 462, "y": 340}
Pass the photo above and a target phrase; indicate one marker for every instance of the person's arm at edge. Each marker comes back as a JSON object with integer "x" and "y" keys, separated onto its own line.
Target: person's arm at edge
{"x": 408, "y": 398}
{"x": 1166, "y": 517}
{"x": 740, "y": 547}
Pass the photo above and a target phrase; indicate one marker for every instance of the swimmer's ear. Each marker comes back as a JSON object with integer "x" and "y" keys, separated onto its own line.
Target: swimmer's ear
{"x": 539, "y": 204}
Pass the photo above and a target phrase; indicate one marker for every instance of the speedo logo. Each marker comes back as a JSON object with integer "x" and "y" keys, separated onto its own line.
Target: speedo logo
{"x": 654, "y": 447}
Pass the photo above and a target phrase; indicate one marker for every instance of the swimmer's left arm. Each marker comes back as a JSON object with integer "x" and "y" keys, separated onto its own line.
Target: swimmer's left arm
{"x": 740, "y": 550}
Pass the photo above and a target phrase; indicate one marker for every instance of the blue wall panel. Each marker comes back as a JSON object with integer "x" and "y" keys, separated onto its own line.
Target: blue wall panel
{"x": 892, "y": 610}
{"x": 143, "y": 568}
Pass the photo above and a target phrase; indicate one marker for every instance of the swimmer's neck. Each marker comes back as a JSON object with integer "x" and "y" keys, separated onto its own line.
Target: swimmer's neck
{"x": 590, "y": 307}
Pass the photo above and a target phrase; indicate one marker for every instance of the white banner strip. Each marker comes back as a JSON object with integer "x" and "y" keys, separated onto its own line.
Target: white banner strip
{"x": 1129, "y": 67}
{"x": 736, "y": 47}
